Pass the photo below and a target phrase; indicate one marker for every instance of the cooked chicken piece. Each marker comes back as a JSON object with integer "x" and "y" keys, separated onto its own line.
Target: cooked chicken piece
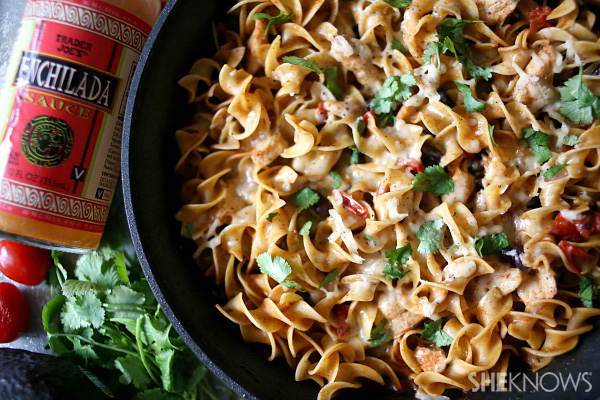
{"x": 464, "y": 184}
{"x": 258, "y": 43}
{"x": 358, "y": 58}
{"x": 399, "y": 319}
{"x": 431, "y": 360}
{"x": 341, "y": 109}
{"x": 538, "y": 286}
{"x": 495, "y": 12}
{"x": 266, "y": 151}
{"x": 535, "y": 87}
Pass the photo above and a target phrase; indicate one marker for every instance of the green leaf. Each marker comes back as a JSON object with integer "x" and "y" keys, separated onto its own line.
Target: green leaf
{"x": 164, "y": 359}
{"x": 588, "y": 291}
{"x": 278, "y": 269}
{"x": 477, "y": 71}
{"x": 361, "y": 126}
{"x": 330, "y": 277}
{"x": 157, "y": 335}
{"x": 84, "y": 311}
{"x": 379, "y": 335}
{"x": 394, "y": 273}
{"x": 434, "y": 49}
{"x": 337, "y": 179}
{"x": 398, "y": 3}
{"x": 92, "y": 268}
{"x": 491, "y": 128}
{"x": 74, "y": 287}
{"x": 51, "y": 314}
{"x": 397, "y": 45}
{"x": 398, "y": 257}
{"x": 550, "y": 172}
{"x": 133, "y": 371}
{"x": 430, "y": 234}
{"x": 189, "y": 227}
{"x": 355, "y": 156}
{"x": 84, "y": 351}
{"x": 304, "y": 199}
{"x": 369, "y": 238}
{"x": 579, "y": 103}
{"x": 303, "y": 62}
{"x": 331, "y": 82}
{"x": 124, "y": 295}
{"x": 539, "y": 143}
{"x": 156, "y": 394}
{"x": 121, "y": 268}
{"x": 394, "y": 90}
{"x": 470, "y": 103}
{"x": 271, "y": 216}
{"x": 491, "y": 244}
{"x": 453, "y": 28}
{"x": 305, "y": 230}
{"x": 435, "y": 180}
{"x": 571, "y": 140}
{"x": 282, "y": 17}
{"x": 434, "y": 333}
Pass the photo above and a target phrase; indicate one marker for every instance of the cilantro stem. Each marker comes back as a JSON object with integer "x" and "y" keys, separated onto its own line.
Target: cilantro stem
{"x": 138, "y": 339}
{"x": 134, "y": 306}
{"x": 93, "y": 342}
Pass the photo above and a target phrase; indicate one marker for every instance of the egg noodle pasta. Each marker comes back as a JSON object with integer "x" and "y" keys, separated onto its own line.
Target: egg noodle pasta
{"x": 399, "y": 193}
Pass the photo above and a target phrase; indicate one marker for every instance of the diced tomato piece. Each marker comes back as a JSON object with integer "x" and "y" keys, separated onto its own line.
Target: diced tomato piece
{"x": 575, "y": 255}
{"x": 563, "y": 228}
{"x": 322, "y": 113}
{"x": 341, "y": 312}
{"x": 412, "y": 163}
{"x": 537, "y": 18}
{"x": 353, "y": 205}
{"x": 367, "y": 115}
{"x": 381, "y": 190}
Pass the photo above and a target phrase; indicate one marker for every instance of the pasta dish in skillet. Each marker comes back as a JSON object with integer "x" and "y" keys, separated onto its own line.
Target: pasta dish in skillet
{"x": 404, "y": 193}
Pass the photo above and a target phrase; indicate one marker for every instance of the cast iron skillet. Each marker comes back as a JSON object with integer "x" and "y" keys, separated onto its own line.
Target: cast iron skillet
{"x": 157, "y": 107}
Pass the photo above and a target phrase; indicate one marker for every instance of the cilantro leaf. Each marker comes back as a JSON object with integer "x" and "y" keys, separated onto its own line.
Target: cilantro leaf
{"x": 394, "y": 273}
{"x": 588, "y": 291}
{"x": 397, "y": 45}
{"x": 470, "y": 103}
{"x": 83, "y": 311}
{"x": 331, "y": 82}
{"x": 133, "y": 371}
{"x": 394, "y": 90}
{"x": 304, "y": 199}
{"x": 434, "y": 49}
{"x": 430, "y": 234}
{"x": 305, "y": 230}
{"x": 361, "y": 126}
{"x": 124, "y": 295}
{"x": 369, "y": 238}
{"x": 165, "y": 359}
{"x": 453, "y": 28}
{"x": 282, "y": 17}
{"x": 398, "y": 3}
{"x": 303, "y": 62}
{"x": 337, "y": 179}
{"x": 189, "y": 227}
{"x": 93, "y": 268}
{"x": 435, "y": 180}
{"x": 434, "y": 333}
{"x": 491, "y": 128}
{"x": 278, "y": 269}
{"x": 539, "y": 143}
{"x": 74, "y": 287}
{"x": 355, "y": 156}
{"x": 380, "y": 335}
{"x": 491, "y": 244}
{"x": 579, "y": 104}
{"x": 51, "y": 313}
{"x": 331, "y": 275}
{"x": 550, "y": 172}
{"x": 571, "y": 140}
{"x": 271, "y": 216}
{"x": 397, "y": 257}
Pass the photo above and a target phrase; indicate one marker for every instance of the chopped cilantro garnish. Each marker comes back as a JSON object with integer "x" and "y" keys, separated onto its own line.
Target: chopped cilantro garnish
{"x": 394, "y": 90}
{"x": 434, "y": 49}
{"x": 304, "y": 199}
{"x": 330, "y": 73}
{"x": 539, "y": 143}
{"x": 588, "y": 291}
{"x": 435, "y": 180}
{"x": 550, "y": 172}
{"x": 470, "y": 103}
{"x": 282, "y": 17}
{"x": 491, "y": 244}
{"x": 331, "y": 275}
{"x": 303, "y": 62}
{"x": 355, "y": 156}
{"x": 398, "y": 3}
{"x": 380, "y": 335}
{"x": 579, "y": 104}
{"x": 430, "y": 234}
{"x": 277, "y": 268}
{"x": 271, "y": 216}
{"x": 571, "y": 140}
{"x": 189, "y": 227}
{"x": 369, "y": 238}
{"x": 491, "y": 128}
{"x": 397, "y": 258}
{"x": 396, "y": 45}
{"x": 434, "y": 333}
{"x": 305, "y": 230}
{"x": 361, "y": 126}
{"x": 337, "y": 179}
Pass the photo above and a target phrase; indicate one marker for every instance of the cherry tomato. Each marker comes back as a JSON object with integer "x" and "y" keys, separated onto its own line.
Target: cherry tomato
{"x": 14, "y": 312}
{"x": 575, "y": 255}
{"x": 23, "y": 263}
{"x": 537, "y": 17}
{"x": 413, "y": 164}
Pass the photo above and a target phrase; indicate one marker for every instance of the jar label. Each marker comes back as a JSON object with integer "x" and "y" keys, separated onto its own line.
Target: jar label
{"x": 62, "y": 111}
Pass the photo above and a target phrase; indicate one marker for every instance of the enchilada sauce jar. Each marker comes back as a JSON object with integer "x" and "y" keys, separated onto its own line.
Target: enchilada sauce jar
{"x": 61, "y": 117}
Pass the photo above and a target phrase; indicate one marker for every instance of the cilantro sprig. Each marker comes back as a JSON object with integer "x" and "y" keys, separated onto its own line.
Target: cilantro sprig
{"x": 491, "y": 129}
{"x": 304, "y": 199}
{"x": 330, "y": 73}
{"x": 278, "y": 269}
{"x": 539, "y": 143}
{"x": 337, "y": 179}
{"x": 397, "y": 258}
{"x": 330, "y": 277}
{"x": 571, "y": 140}
{"x": 491, "y": 244}
{"x": 380, "y": 335}
{"x": 579, "y": 104}
{"x": 588, "y": 291}
{"x": 435, "y": 180}
{"x": 470, "y": 103}
{"x": 394, "y": 90}
{"x": 550, "y": 172}
{"x": 434, "y": 333}
{"x": 430, "y": 234}
{"x": 398, "y": 3}
{"x": 397, "y": 45}
{"x": 282, "y": 17}
{"x": 305, "y": 230}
